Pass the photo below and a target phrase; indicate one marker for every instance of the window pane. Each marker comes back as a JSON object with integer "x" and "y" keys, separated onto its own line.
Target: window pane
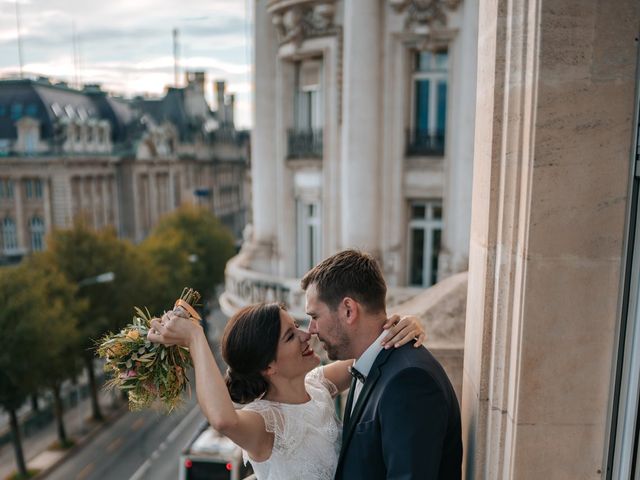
{"x": 416, "y": 266}
{"x": 442, "y": 107}
{"x": 38, "y": 184}
{"x": 437, "y": 211}
{"x": 442, "y": 60}
{"x": 418, "y": 211}
{"x": 423, "y": 61}
{"x": 435, "y": 251}
{"x": 422, "y": 105}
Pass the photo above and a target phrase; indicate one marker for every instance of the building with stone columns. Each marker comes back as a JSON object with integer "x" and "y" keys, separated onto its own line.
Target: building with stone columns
{"x": 551, "y": 368}
{"x": 552, "y": 347}
{"x": 363, "y": 137}
{"x": 66, "y": 152}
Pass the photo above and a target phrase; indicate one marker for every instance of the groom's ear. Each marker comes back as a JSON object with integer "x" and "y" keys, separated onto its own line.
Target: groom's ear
{"x": 350, "y": 310}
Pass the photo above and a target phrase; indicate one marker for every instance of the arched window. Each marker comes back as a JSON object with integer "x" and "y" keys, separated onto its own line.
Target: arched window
{"x": 37, "y": 234}
{"x": 9, "y": 236}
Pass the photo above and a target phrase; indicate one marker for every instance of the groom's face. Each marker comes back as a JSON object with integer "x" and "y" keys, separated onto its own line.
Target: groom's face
{"x": 327, "y": 325}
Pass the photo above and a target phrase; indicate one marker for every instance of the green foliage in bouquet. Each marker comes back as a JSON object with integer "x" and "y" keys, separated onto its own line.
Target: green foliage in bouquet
{"x": 145, "y": 370}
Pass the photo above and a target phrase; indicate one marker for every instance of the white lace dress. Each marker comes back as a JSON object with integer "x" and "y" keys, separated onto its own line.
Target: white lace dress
{"x": 307, "y": 435}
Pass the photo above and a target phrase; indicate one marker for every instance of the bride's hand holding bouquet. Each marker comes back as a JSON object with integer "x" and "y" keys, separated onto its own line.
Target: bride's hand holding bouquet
{"x": 149, "y": 371}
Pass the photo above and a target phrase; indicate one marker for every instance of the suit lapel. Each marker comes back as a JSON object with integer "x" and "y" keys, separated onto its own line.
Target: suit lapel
{"x": 365, "y": 393}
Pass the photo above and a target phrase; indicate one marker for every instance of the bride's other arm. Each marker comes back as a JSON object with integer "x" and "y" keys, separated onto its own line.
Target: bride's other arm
{"x": 400, "y": 331}
{"x": 246, "y": 429}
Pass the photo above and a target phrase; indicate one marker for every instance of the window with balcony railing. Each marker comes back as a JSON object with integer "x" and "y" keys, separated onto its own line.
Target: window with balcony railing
{"x": 304, "y": 140}
{"x": 304, "y": 143}
{"x": 426, "y": 134}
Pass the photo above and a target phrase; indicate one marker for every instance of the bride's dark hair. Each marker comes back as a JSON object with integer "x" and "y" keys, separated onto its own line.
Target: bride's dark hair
{"x": 249, "y": 345}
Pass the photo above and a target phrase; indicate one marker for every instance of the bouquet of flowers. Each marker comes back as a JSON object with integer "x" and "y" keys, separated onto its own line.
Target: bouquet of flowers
{"x": 145, "y": 370}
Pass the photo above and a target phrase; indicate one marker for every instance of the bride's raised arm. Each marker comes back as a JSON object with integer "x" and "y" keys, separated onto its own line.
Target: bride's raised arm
{"x": 400, "y": 331}
{"x": 246, "y": 429}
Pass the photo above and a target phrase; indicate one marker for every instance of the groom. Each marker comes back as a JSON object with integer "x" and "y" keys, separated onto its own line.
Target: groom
{"x": 402, "y": 419}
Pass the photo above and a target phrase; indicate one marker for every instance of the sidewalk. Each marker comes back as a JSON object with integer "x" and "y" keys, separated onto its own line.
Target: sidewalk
{"x": 78, "y": 427}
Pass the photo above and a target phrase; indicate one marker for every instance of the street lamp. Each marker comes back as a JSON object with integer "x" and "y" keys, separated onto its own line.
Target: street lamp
{"x": 102, "y": 278}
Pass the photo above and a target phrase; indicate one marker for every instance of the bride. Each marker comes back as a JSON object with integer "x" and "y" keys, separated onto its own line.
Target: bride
{"x": 287, "y": 428}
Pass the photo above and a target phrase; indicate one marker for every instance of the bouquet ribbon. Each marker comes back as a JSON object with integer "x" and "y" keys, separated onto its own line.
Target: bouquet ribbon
{"x": 189, "y": 309}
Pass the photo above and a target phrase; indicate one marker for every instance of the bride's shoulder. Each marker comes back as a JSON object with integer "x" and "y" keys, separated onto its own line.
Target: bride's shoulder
{"x": 315, "y": 378}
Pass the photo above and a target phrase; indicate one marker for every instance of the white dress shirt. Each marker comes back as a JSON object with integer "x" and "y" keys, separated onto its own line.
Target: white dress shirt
{"x": 364, "y": 363}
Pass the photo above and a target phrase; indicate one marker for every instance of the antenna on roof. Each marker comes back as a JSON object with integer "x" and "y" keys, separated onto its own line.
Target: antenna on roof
{"x": 19, "y": 37}
{"x": 76, "y": 61}
{"x": 175, "y": 57}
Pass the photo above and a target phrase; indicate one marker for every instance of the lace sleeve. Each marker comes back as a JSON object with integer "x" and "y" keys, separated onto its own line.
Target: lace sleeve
{"x": 316, "y": 377}
{"x": 287, "y": 432}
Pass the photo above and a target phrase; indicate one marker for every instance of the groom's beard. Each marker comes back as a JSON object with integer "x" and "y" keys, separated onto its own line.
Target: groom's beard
{"x": 338, "y": 347}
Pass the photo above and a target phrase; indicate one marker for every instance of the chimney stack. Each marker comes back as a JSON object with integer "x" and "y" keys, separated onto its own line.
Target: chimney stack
{"x": 220, "y": 87}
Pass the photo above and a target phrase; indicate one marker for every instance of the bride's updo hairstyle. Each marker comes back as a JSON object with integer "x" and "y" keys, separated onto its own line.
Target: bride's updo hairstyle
{"x": 249, "y": 345}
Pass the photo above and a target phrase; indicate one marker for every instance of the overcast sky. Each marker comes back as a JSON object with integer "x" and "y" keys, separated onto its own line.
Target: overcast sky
{"x": 127, "y": 46}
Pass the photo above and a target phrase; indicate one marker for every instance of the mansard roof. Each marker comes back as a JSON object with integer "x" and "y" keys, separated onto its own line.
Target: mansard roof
{"x": 49, "y": 102}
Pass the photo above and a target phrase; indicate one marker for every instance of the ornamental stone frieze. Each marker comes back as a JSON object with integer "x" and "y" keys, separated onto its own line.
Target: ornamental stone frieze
{"x": 297, "y": 20}
{"x": 427, "y": 19}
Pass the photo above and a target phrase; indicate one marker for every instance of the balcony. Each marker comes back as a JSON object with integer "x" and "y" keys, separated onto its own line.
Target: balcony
{"x": 244, "y": 286}
{"x": 422, "y": 142}
{"x": 304, "y": 143}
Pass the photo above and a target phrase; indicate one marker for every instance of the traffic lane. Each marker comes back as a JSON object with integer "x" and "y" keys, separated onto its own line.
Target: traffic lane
{"x": 164, "y": 462}
{"x": 119, "y": 450}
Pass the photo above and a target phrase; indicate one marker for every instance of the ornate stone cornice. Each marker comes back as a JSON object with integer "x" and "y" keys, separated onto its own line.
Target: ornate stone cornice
{"x": 297, "y": 20}
{"x": 427, "y": 19}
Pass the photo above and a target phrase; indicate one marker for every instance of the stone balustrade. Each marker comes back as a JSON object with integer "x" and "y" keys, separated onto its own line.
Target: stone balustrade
{"x": 244, "y": 286}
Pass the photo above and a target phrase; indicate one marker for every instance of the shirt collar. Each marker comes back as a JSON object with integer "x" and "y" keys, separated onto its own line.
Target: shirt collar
{"x": 364, "y": 363}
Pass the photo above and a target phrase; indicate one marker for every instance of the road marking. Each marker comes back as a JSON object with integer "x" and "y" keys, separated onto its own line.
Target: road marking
{"x": 170, "y": 438}
{"x": 115, "y": 444}
{"x": 137, "y": 424}
{"x": 85, "y": 471}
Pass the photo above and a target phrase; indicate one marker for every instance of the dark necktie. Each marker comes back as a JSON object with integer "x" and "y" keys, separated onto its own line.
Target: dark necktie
{"x": 352, "y": 390}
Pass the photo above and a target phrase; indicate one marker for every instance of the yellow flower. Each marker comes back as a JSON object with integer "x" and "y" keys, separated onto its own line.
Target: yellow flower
{"x": 133, "y": 334}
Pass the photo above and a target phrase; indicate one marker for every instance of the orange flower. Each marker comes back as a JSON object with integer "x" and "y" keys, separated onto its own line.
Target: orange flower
{"x": 133, "y": 334}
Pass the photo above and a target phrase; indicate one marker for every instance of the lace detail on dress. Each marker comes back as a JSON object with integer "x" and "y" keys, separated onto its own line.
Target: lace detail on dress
{"x": 306, "y": 436}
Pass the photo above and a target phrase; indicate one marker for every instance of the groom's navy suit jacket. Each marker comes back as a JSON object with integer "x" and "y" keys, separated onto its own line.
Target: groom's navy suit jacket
{"x": 406, "y": 422}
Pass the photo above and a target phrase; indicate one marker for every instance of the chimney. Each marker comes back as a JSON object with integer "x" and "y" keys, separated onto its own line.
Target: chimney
{"x": 230, "y": 108}
{"x": 220, "y": 86}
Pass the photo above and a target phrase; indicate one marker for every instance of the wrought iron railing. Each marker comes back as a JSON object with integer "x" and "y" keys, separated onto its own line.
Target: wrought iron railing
{"x": 424, "y": 142}
{"x": 304, "y": 143}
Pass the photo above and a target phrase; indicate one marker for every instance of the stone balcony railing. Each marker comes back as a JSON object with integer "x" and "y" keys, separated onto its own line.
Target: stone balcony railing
{"x": 244, "y": 286}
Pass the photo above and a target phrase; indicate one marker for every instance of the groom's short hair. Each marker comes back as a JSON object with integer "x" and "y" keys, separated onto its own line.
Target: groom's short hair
{"x": 350, "y": 273}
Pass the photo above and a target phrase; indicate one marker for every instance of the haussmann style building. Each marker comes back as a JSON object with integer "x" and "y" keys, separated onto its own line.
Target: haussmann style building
{"x": 67, "y": 152}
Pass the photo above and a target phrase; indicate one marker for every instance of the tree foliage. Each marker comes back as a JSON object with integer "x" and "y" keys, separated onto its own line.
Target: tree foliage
{"x": 191, "y": 248}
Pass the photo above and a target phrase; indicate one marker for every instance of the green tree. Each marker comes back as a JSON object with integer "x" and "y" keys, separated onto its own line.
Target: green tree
{"x": 82, "y": 253}
{"x": 191, "y": 248}
{"x": 61, "y": 318}
{"x": 34, "y": 321}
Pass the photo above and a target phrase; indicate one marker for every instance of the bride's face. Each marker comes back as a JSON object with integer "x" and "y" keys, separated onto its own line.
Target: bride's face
{"x": 295, "y": 356}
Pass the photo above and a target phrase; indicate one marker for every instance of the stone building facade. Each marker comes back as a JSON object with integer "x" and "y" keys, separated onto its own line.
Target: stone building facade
{"x": 66, "y": 153}
{"x": 552, "y": 348}
{"x": 362, "y": 138}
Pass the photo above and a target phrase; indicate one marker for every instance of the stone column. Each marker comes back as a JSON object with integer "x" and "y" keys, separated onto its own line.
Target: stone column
{"x": 263, "y": 162}
{"x": 454, "y": 256}
{"x": 46, "y": 198}
{"x": 153, "y": 198}
{"x": 360, "y": 176}
{"x": 554, "y": 125}
{"x": 19, "y": 212}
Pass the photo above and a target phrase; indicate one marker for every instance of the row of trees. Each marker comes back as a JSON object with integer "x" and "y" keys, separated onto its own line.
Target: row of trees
{"x": 53, "y": 313}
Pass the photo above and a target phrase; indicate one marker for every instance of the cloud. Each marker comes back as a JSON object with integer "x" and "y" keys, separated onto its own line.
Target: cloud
{"x": 128, "y": 46}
